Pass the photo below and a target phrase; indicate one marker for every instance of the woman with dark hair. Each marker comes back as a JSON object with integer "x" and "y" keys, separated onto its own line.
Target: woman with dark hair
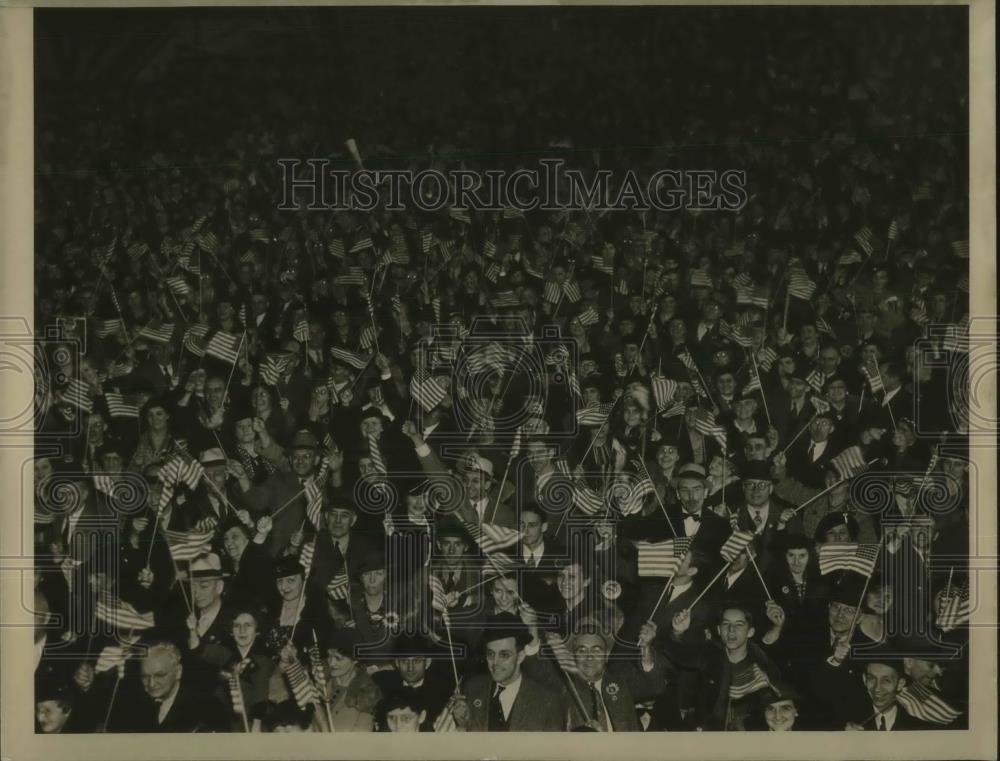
{"x": 278, "y": 419}
{"x": 156, "y": 443}
{"x": 250, "y": 448}
{"x": 777, "y": 710}
{"x": 298, "y": 611}
{"x": 284, "y": 716}
{"x": 252, "y": 566}
{"x": 797, "y": 585}
{"x": 247, "y": 658}
{"x": 54, "y": 709}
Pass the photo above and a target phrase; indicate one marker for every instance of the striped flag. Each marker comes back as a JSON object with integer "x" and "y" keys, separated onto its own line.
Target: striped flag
{"x": 117, "y": 406}
{"x": 742, "y": 282}
{"x": 766, "y": 358}
{"x": 236, "y": 694}
{"x": 704, "y": 422}
{"x": 754, "y": 383}
{"x": 301, "y": 331}
{"x": 674, "y": 410}
{"x": 362, "y": 244}
{"x": 816, "y": 379}
{"x": 953, "y": 608}
{"x": 185, "y": 546}
{"x": 336, "y": 249}
{"x": 445, "y": 722}
{"x": 632, "y": 502}
{"x": 800, "y": 286}
{"x": 595, "y": 415}
{"x": 353, "y": 276}
{"x": 438, "y": 595}
{"x": 700, "y": 279}
{"x": 137, "y": 250}
{"x": 314, "y": 501}
{"x": 340, "y": 587}
{"x": 865, "y": 239}
{"x": 426, "y": 241}
{"x": 572, "y": 291}
{"x": 747, "y": 682}
{"x": 369, "y": 336}
{"x": 758, "y": 297}
{"x": 208, "y": 242}
{"x": 822, "y": 326}
{"x": 506, "y": 300}
{"x": 356, "y": 361}
{"x": 960, "y": 248}
{"x": 107, "y": 328}
{"x": 77, "y": 393}
{"x": 306, "y": 557}
{"x": 588, "y": 500}
{"x": 588, "y": 317}
{"x": 874, "y": 379}
{"x": 121, "y": 615}
{"x": 399, "y": 253}
{"x": 735, "y": 544}
{"x": 850, "y": 462}
{"x": 426, "y": 391}
{"x": 735, "y": 334}
{"x": 663, "y": 390}
{"x": 552, "y": 293}
{"x": 847, "y": 556}
{"x": 274, "y": 366}
{"x": 491, "y": 537}
{"x": 662, "y": 558}
{"x": 851, "y": 257}
{"x": 224, "y": 346}
{"x": 161, "y": 335}
{"x": 303, "y": 690}
{"x": 955, "y": 339}
{"x": 893, "y": 231}
{"x": 923, "y": 703}
{"x": 194, "y": 339}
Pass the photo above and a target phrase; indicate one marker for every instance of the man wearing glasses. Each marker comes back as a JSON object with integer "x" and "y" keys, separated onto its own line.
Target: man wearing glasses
{"x": 762, "y": 513}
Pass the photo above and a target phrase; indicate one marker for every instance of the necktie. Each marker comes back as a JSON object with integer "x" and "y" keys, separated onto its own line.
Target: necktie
{"x": 881, "y": 723}
{"x": 757, "y": 518}
{"x": 801, "y": 589}
{"x": 378, "y": 462}
{"x": 496, "y": 721}
{"x": 812, "y": 452}
{"x": 596, "y": 705}
{"x": 449, "y": 583}
{"x": 338, "y": 556}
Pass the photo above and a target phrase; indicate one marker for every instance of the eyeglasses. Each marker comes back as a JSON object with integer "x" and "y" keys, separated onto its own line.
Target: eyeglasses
{"x": 756, "y": 485}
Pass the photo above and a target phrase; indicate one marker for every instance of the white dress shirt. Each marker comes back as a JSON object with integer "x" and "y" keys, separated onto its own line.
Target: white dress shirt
{"x": 533, "y": 556}
{"x": 818, "y": 447}
{"x": 889, "y": 717}
{"x": 508, "y": 696}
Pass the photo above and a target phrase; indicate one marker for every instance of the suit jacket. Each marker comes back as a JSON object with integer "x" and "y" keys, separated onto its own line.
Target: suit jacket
{"x": 271, "y": 495}
{"x": 904, "y": 722}
{"x": 536, "y": 708}
{"x": 622, "y": 686}
{"x": 193, "y": 710}
{"x": 436, "y": 690}
{"x": 326, "y": 565}
{"x": 712, "y": 531}
{"x": 785, "y": 422}
{"x": 767, "y": 542}
{"x": 807, "y": 471}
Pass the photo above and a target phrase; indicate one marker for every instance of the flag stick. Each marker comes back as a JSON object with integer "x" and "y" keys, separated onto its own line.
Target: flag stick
{"x": 326, "y": 697}
{"x": 111, "y": 703}
{"x": 709, "y": 586}
{"x": 503, "y": 482}
{"x": 864, "y": 591}
{"x": 947, "y": 587}
{"x": 451, "y": 649}
{"x": 243, "y": 706}
{"x": 668, "y": 585}
{"x": 802, "y": 430}
{"x": 235, "y": 362}
{"x": 760, "y": 576}
{"x": 763, "y": 396}
{"x": 788, "y": 300}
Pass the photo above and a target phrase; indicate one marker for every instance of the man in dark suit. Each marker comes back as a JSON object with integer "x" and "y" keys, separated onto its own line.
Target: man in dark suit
{"x": 608, "y": 691}
{"x": 762, "y": 513}
{"x": 809, "y": 457}
{"x": 709, "y": 530}
{"x": 790, "y": 410}
{"x": 419, "y": 666}
{"x": 506, "y": 700}
{"x": 844, "y": 411}
{"x": 341, "y": 545}
{"x": 536, "y": 550}
{"x": 884, "y": 678}
{"x": 171, "y": 703}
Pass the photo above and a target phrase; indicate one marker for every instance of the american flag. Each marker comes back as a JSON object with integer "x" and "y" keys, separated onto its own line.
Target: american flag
{"x": 224, "y": 346}
{"x": 356, "y": 361}
{"x": 754, "y": 383}
{"x": 662, "y": 558}
{"x": 893, "y": 231}
{"x": 588, "y": 317}
{"x": 460, "y": 215}
{"x": 758, "y": 297}
{"x": 552, "y": 292}
{"x": 572, "y": 291}
{"x": 864, "y": 238}
{"x": 766, "y": 358}
{"x": 178, "y": 285}
{"x": 361, "y": 244}
{"x": 953, "y": 610}
{"x": 484, "y": 357}
{"x": 426, "y": 241}
{"x": 632, "y": 502}
{"x": 823, "y": 326}
{"x": 445, "y": 722}
{"x": 800, "y": 286}
{"x": 955, "y": 339}
{"x": 340, "y": 587}
{"x": 274, "y": 366}
{"x": 306, "y": 557}
{"x": 663, "y": 390}
{"x": 622, "y": 288}
{"x": 336, "y": 248}
{"x": 747, "y": 682}
{"x": 399, "y": 253}
{"x": 874, "y": 379}
{"x": 438, "y": 595}
{"x": 447, "y": 250}
{"x": 735, "y": 334}
{"x": 107, "y": 328}
{"x": 426, "y": 390}
{"x": 117, "y": 406}
{"x": 353, "y": 276}
{"x": 735, "y": 544}
{"x": 301, "y": 331}
{"x": 850, "y": 462}
{"x": 923, "y": 703}
{"x": 207, "y": 242}
{"x": 960, "y": 248}
{"x": 674, "y": 410}
{"x": 506, "y": 300}
{"x": 260, "y": 234}
{"x": 491, "y": 537}
{"x": 303, "y": 690}
{"x": 595, "y": 415}
{"x": 77, "y": 393}
{"x": 162, "y": 334}
{"x": 742, "y": 282}
{"x": 193, "y": 339}
{"x": 851, "y": 257}
{"x": 137, "y": 250}
{"x": 489, "y": 249}
{"x": 704, "y": 422}
{"x": 816, "y": 379}
{"x": 188, "y": 545}
{"x": 121, "y": 615}
{"x": 588, "y": 500}
{"x": 314, "y": 501}
{"x": 687, "y": 360}
{"x": 493, "y": 272}
{"x": 601, "y": 265}
{"x": 700, "y": 279}
{"x": 369, "y": 336}
{"x": 848, "y": 556}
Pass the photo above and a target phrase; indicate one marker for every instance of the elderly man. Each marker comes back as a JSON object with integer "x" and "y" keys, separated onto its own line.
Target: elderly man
{"x": 609, "y": 690}
{"x": 709, "y": 529}
{"x": 172, "y": 703}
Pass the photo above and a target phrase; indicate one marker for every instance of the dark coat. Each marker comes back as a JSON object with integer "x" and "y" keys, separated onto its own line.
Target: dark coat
{"x": 536, "y": 708}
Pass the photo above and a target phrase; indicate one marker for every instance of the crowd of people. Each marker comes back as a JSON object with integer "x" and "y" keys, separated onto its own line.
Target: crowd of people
{"x": 511, "y": 471}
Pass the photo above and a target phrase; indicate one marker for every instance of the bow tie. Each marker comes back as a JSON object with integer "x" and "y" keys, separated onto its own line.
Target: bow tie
{"x": 696, "y": 517}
